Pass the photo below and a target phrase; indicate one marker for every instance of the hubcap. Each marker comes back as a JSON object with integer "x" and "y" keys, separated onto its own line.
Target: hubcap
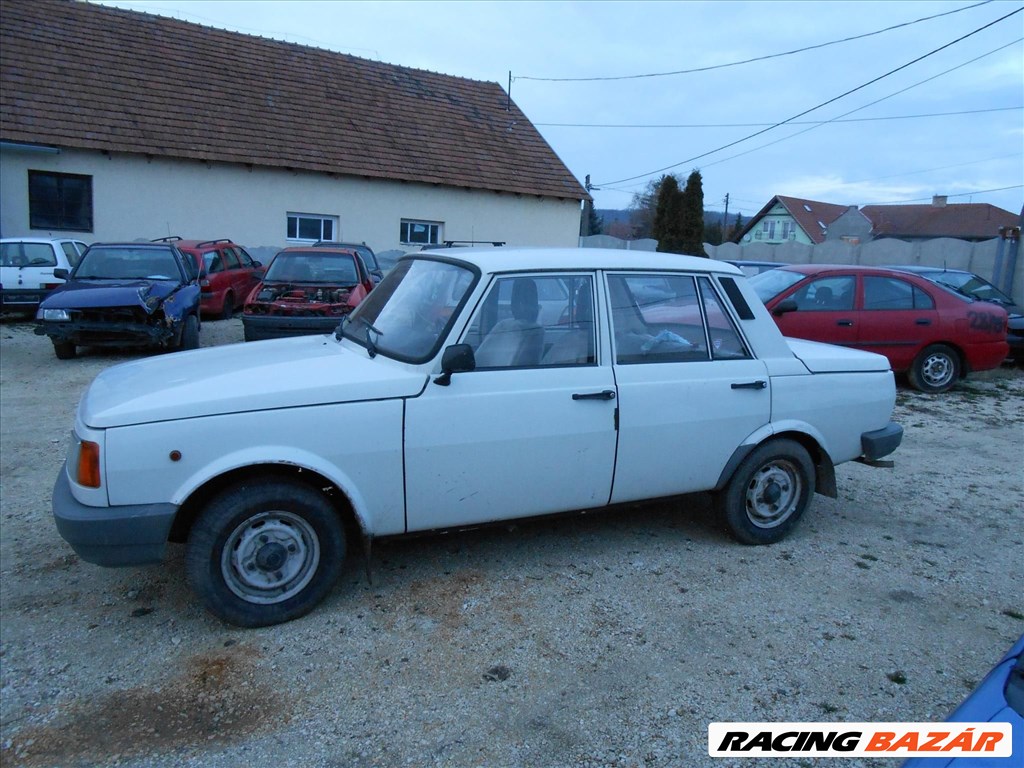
{"x": 937, "y": 370}
{"x": 773, "y": 493}
{"x": 270, "y": 557}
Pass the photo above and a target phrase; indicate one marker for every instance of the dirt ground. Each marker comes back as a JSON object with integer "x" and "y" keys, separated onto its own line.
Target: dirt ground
{"x": 600, "y": 640}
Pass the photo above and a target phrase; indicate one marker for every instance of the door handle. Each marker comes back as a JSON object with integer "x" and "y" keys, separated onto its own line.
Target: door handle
{"x": 751, "y": 385}
{"x": 608, "y": 394}
{"x": 922, "y": 321}
{"x": 845, "y": 323}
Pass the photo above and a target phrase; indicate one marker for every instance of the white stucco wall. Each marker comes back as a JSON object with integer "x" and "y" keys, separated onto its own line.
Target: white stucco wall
{"x": 135, "y": 198}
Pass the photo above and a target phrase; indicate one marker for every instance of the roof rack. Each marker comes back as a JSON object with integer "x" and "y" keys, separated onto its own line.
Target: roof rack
{"x": 451, "y": 243}
{"x": 168, "y": 239}
{"x": 335, "y": 244}
{"x": 212, "y": 242}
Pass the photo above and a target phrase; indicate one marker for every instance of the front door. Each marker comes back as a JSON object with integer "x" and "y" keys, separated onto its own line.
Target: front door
{"x": 532, "y": 430}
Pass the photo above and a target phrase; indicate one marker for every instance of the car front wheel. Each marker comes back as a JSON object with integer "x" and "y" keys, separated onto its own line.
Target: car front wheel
{"x": 190, "y": 333}
{"x": 64, "y": 350}
{"x": 768, "y": 493}
{"x": 265, "y": 552}
{"x": 229, "y": 306}
{"x": 935, "y": 370}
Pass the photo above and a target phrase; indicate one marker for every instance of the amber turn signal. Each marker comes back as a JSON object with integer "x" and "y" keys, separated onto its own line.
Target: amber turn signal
{"x": 89, "y": 464}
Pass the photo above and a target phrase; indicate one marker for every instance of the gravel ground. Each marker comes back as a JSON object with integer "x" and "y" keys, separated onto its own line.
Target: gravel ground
{"x": 611, "y": 639}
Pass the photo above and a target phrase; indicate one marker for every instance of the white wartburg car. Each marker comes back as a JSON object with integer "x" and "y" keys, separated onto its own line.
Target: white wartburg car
{"x": 467, "y": 388}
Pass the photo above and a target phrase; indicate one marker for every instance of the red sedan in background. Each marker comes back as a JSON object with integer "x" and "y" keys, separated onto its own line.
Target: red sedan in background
{"x": 934, "y": 335}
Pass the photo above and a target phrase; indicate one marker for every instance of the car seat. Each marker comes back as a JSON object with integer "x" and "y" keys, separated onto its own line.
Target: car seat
{"x": 519, "y": 340}
{"x": 577, "y": 346}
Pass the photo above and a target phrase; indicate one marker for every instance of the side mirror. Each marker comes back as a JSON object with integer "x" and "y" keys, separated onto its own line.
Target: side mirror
{"x": 257, "y": 264}
{"x": 60, "y": 273}
{"x": 458, "y": 358}
{"x": 789, "y": 305}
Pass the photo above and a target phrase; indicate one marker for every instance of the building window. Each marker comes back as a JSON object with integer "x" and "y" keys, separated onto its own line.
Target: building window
{"x": 311, "y": 226}
{"x": 59, "y": 201}
{"x": 420, "y": 232}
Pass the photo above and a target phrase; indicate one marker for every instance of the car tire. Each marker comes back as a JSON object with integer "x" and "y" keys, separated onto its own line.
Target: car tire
{"x": 64, "y": 350}
{"x": 228, "y": 310}
{"x": 265, "y": 552}
{"x": 190, "y": 333}
{"x": 768, "y": 493}
{"x": 935, "y": 370}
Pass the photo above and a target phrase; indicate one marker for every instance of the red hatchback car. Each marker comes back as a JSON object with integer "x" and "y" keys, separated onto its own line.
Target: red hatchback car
{"x": 933, "y": 334}
{"x": 230, "y": 273}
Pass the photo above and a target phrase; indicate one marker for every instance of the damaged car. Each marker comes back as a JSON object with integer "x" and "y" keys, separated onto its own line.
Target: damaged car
{"x": 124, "y": 295}
{"x": 305, "y": 291}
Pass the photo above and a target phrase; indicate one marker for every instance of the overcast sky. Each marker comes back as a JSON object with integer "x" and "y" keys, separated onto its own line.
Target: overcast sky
{"x": 922, "y": 149}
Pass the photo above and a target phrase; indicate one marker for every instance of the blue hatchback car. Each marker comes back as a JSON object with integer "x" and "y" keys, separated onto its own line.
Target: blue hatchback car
{"x": 123, "y": 295}
{"x": 998, "y": 699}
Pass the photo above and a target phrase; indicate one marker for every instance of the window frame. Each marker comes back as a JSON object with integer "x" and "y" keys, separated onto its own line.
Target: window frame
{"x": 64, "y": 224}
{"x": 321, "y": 218}
{"x": 434, "y": 229}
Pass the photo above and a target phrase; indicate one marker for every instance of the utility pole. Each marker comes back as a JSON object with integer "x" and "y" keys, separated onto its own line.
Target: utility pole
{"x": 588, "y": 209}
{"x": 725, "y": 224}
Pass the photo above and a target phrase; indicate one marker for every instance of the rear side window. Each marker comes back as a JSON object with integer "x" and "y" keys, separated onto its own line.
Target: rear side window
{"x": 71, "y": 252}
{"x": 881, "y": 293}
{"x": 213, "y": 262}
{"x": 726, "y": 343}
{"x": 656, "y": 319}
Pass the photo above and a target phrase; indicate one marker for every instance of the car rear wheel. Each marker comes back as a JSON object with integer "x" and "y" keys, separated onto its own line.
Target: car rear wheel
{"x": 768, "y": 493}
{"x": 265, "y": 552}
{"x": 64, "y": 350}
{"x": 229, "y": 306}
{"x": 935, "y": 370}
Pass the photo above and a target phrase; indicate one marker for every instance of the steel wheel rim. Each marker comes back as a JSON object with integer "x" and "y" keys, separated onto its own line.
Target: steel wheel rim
{"x": 773, "y": 493}
{"x": 270, "y": 557}
{"x": 937, "y": 370}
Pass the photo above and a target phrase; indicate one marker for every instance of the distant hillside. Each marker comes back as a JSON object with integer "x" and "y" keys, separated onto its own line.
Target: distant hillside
{"x": 616, "y": 220}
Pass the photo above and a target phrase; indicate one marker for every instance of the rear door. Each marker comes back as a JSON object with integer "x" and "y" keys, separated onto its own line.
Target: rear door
{"x": 26, "y": 272}
{"x": 897, "y": 319}
{"x": 689, "y": 389}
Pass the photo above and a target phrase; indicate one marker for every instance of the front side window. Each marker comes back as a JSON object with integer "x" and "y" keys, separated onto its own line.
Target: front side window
{"x": 60, "y": 201}
{"x": 527, "y": 321}
{"x": 411, "y": 312}
{"x": 311, "y": 226}
{"x": 827, "y": 294}
{"x": 656, "y": 319}
{"x": 420, "y": 232}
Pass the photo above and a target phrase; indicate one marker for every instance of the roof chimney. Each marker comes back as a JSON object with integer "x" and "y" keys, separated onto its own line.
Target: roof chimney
{"x": 939, "y": 201}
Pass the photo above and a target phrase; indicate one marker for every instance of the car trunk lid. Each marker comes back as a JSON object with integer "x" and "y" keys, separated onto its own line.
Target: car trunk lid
{"x": 829, "y": 358}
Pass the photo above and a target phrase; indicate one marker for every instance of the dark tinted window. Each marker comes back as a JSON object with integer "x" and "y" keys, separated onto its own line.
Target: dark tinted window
{"x": 893, "y": 293}
{"x": 59, "y": 201}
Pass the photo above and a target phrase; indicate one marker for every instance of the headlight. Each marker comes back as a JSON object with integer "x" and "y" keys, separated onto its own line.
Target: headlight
{"x": 54, "y": 314}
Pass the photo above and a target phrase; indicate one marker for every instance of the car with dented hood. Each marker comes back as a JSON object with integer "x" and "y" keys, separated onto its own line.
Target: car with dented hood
{"x": 483, "y": 386}
{"x": 124, "y": 295}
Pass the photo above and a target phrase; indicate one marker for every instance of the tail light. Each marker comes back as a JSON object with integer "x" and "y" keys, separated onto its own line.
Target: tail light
{"x": 89, "y": 464}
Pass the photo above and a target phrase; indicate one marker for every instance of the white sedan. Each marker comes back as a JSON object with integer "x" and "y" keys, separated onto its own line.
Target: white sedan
{"x": 467, "y": 388}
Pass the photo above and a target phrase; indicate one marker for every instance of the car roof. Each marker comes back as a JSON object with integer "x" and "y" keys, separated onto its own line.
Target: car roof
{"x": 165, "y": 246}
{"x": 202, "y": 243}
{"x": 540, "y": 259}
{"x": 921, "y": 269}
{"x": 318, "y": 250}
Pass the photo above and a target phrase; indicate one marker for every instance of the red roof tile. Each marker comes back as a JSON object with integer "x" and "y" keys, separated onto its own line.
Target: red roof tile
{"x": 92, "y": 77}
{"x": 965, "y": 221}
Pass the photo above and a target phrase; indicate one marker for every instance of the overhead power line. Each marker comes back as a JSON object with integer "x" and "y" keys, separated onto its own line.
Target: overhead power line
{"x": 759, "y": 125}
{"x": 959, "y": 194}
{"x": 749, "y": 61}
{"x": 812, "y": 109}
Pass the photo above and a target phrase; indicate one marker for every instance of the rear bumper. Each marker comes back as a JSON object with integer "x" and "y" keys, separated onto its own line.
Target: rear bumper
{"x": 124, "y": 535}
{"x": 986, "y": 356}
{"x": 259, "y": 327}
{"x": 21, "y": 300}
{"x": 881, "y": 442}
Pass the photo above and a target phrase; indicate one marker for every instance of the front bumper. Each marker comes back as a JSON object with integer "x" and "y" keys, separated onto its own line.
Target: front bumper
{"x": 259, "y": 327}
{"x": 92, "y": 333}
{"x": 125, "y": 535}
{"x": 881, "y": 442}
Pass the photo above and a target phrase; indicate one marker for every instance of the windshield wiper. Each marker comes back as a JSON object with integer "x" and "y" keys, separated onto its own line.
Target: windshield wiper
{"x": 371, "y": 346}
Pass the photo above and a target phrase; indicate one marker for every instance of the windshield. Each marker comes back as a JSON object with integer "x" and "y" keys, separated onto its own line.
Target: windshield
{"x": 409, "y": 314}
{"x": 105, "y": 263}
{"x": 313, "y": 267}
{"x": 770, "y": 284}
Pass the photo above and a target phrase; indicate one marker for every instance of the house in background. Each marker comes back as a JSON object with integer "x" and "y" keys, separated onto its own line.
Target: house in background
{"x": 790, "y": 219}
{"x": 786, "y": 219}
{"x": 118, "y": 125}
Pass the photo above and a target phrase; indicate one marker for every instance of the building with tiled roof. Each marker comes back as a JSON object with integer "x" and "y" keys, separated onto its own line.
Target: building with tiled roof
{"x": 124, "y": 125}
{"x": 790, "y": 219}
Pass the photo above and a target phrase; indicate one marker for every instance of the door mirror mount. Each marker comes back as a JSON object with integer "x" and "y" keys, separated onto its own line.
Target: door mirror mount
{"x": 458, "y": 358}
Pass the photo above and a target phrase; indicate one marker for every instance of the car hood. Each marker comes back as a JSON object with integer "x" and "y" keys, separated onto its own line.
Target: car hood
{"x": 284, "y": 373}
{"x": 86, "y": 294}
{"x": 829, "y": 358}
